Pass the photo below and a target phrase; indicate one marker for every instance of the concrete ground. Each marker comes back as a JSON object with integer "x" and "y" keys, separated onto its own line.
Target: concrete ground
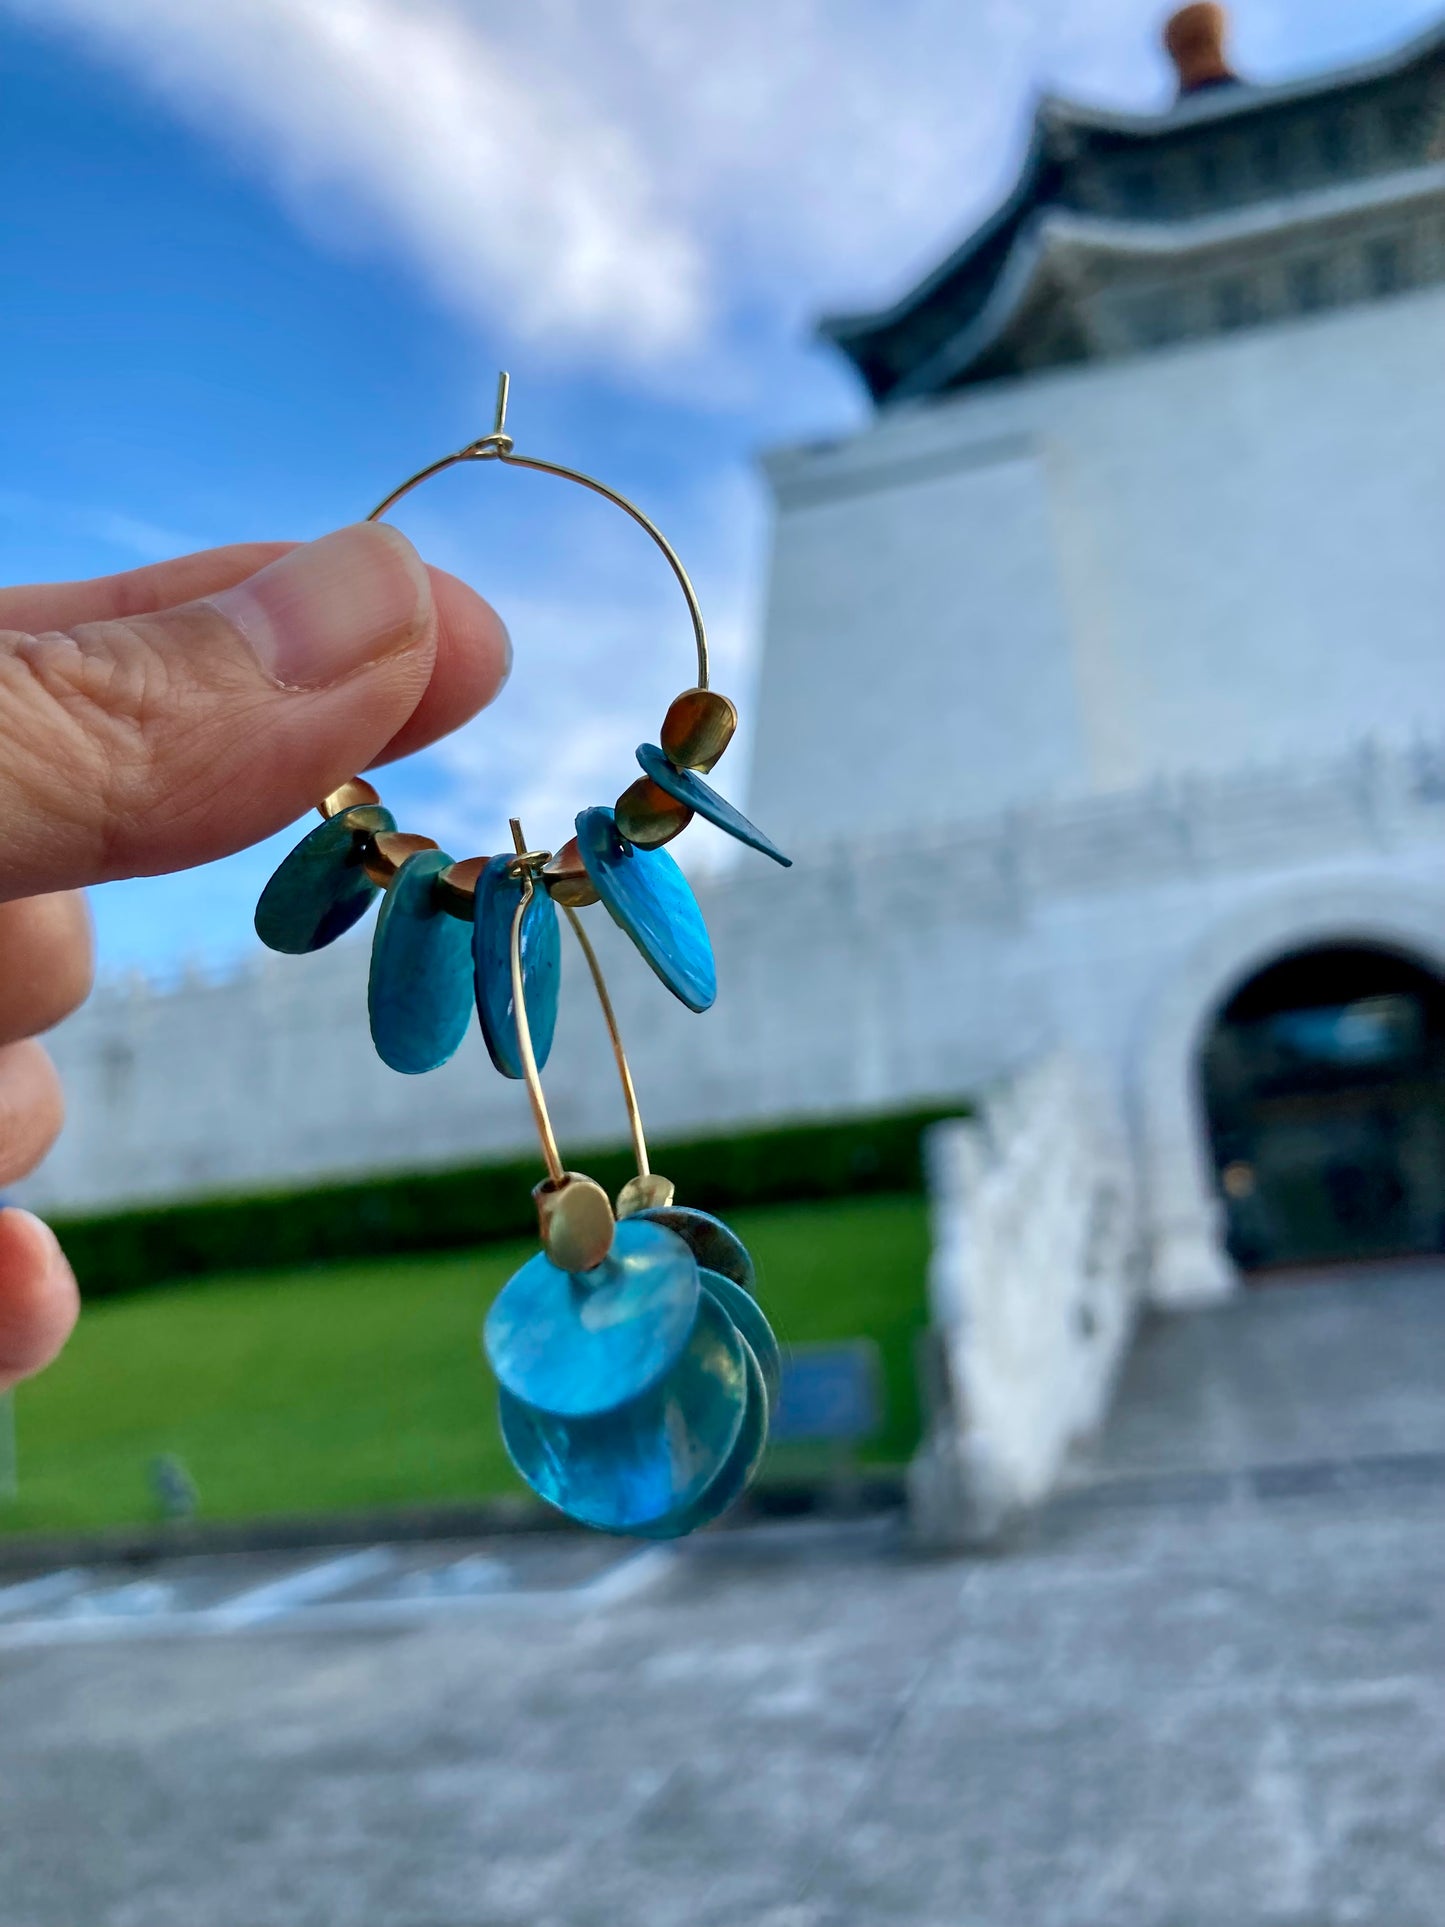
{"x": 1207, "y": 1689}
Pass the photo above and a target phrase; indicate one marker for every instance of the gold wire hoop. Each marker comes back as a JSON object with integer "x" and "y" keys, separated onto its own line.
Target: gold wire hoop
{"x": 499, "y": 447}
{"x": 577, "y": 1218}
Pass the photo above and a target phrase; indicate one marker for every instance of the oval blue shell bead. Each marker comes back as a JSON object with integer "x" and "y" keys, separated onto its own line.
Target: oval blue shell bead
{"x": 649, "y": 897}
{"x": 496, "y": 902}
{"x": 716, "y": 1246}
{"x": 420, "y": 994}
{"x": 688, "y": 787}
{"x": 738, "y": 1470}
{"x": 579, "y": 1346}
{"x": 320, "y": 890}
{"x": 651, "y": 1457}
{"x": 753, "y": 1327}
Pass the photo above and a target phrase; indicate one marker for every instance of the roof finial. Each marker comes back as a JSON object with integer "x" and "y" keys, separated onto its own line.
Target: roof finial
{"x": 1194, "y": 38}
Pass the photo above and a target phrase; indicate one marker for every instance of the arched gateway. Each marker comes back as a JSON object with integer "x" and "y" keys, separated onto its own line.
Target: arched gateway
{"x": 1289, "y": 1105}
{"x": 1323, "y": 1087}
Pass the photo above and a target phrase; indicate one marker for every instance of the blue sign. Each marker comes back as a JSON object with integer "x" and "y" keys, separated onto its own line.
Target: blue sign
{"x": 829, "y": 1392}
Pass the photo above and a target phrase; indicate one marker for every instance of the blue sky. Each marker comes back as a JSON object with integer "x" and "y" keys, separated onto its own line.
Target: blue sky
{"x": 264, "y": 257}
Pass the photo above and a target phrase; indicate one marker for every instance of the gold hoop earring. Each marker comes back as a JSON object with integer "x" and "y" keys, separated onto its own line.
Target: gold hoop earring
{"x": 637, "y": 1372}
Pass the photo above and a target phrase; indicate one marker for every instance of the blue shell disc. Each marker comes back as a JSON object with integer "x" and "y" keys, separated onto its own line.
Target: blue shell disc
{"x": 689, "y": 788}
{"x": 738, "y": 1472}
{"x": 649, "y": 897}
{"x": 321, "y": 889}
{"x": 715, "y": 1245}
{"x": 579, "y": 1347}
{"x": 748, "y": 1315}
{"x": 497, "y": 897}
{"x": 651, "y": 1457}
{"x": 420, "y": 995}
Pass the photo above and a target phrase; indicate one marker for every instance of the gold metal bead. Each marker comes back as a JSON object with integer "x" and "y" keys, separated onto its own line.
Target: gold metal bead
{"x": 357, "y": 791}
{"x": 648, "y": 816}
{"x": 697, "y": 728}
{"x": 566, "y": 881}
{"x": 575, "y": 1216}
{"x": 388, "y": 850}
{"x": 647, "y": 1192}
{"x": 455, "y": 889}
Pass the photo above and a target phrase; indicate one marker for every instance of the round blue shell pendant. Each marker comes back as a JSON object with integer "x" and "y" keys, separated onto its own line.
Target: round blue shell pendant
{"x": 497, "y": 898}
{"x": 649, "y": 897}
{"x": 751, "y": 1320}
{"x": 651, "y": 1458}
{"x": 688, "y": 787}
{"x": 420, "y": 995}
{"x": 738, "y": 1470}
{"x": 716, "y": 1246}
{"x": 320, "y": 890}
{"x": 584, "y": 1345}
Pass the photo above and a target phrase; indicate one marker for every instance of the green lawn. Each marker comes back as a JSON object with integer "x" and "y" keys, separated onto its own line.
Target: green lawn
{"x": 352, "y": 1385}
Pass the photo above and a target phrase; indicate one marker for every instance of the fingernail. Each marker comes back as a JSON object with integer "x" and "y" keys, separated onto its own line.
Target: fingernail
{"x": 332, "y": 605}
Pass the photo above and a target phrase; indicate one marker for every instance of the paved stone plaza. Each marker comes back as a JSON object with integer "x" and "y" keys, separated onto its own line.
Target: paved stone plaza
{"x": 1206, "y": 1690}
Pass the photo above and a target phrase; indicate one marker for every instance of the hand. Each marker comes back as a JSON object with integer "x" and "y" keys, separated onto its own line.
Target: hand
{"x": 163, "y": 718}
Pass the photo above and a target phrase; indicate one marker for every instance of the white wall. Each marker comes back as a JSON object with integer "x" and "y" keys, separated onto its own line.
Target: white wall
{"x": 1191, "y": 560}
{"x": 890, "y": 613}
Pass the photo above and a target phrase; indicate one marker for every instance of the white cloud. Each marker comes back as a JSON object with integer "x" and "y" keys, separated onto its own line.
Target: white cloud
{"x": 643, "y": 182}
{"x": 631, "y": 175}
{"x": 508, "y": 186}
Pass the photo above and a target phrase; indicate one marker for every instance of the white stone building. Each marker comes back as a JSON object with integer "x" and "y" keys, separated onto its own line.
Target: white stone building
{"x": 1104, "y": 670}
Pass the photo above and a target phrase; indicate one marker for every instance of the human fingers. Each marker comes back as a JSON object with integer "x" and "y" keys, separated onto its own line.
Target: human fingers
{"x": 39, "y": 1302}
{"x": 473, "y": 653}
{"x": 32, "y": 1109}
{"x": 474, "y": 659}
{"x": 135, "y": 592}
{"x": 137, "y": 744}
{"x": 47, "y": 959}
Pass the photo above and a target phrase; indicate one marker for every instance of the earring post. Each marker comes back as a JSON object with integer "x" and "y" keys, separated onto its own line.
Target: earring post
{"x": 496, "y": 446}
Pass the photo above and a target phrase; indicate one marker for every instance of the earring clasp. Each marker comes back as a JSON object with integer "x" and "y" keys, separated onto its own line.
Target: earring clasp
{"x": 497, "y": 446}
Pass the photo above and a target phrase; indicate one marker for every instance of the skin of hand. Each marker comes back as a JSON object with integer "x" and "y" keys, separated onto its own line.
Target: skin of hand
{"x": 162, "y": 718}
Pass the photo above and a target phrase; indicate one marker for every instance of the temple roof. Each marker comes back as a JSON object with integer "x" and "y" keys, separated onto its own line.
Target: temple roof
{"x": 1204, "y": 174}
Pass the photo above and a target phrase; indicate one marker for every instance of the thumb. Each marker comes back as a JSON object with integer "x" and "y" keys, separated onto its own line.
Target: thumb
{"x": 152, "y": 742}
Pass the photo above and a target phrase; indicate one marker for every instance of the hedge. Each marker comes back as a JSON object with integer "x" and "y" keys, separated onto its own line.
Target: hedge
{"x": 444, "y": 1210}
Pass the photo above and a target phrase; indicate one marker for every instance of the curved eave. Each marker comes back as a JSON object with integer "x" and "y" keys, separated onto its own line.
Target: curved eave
{"x": 845, "y": 329}
{"x": 1058, "y": 245}
{"x": 1216, "y": 104}
{"x": 1057, "y": 123}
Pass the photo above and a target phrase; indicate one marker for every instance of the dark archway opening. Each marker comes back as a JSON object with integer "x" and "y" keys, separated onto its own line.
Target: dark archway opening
{"x": 1324, "y": 1089}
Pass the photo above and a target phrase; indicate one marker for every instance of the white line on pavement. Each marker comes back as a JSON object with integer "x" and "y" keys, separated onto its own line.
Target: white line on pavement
{"x": 304, "y": 1607}
{"x": 301, "y": 1588}
{"x": 48, "y": 1590}
{"x": 628, "y": 1577}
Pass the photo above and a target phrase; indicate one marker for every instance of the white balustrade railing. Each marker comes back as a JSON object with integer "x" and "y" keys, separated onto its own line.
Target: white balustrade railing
{"x": 1033, "y": 1285}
